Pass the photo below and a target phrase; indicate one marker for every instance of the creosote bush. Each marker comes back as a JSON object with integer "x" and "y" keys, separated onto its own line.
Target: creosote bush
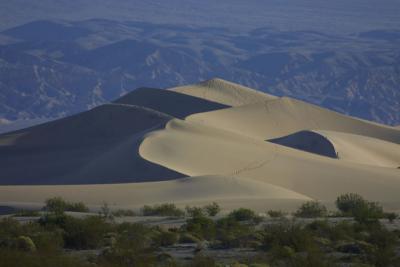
{"x": 166, "y": 209}
{"x": 356, "y": 206}
{"x": 194, "y": 211}
{"x": 212, "y": 209}
{"x": 59, "y": 205}
{"x": 311, "y": 209}
{"x": 276, "y": 213}
{"x": 243, "y": 214}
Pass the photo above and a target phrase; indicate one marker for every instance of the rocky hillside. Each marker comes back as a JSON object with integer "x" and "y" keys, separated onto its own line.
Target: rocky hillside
{"x": 50, "y": 69}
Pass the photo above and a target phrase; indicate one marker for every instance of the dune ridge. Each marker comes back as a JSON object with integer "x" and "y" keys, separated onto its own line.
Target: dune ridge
{"x": 223, "y": 92}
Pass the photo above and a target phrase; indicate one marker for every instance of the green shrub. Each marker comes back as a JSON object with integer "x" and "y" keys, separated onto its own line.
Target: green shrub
{"x": 59, "y": 205}
{"x": 212, "y": 209}
{"x": 25, "y": 243}
{"x": 188, "y": 238}
{"x": 166, "y": 238}
{"x": 123, "y": 213}
{"x": 201, "y": 227}
{"x": 276, "y": 213}
{"x": 288, "y": 234}
{"x": 27, "y": 213}
{"x": 202, "y": 261}
{"x": 86, "y": 233}
{"x": 162, "y": 210}
{"x": 15, "y": 258}
{"x": 311, "y": 209}
{"x": 243, "y": 214}
{"x": 391, "y": 216}
{"x": 233, "y": 233}
{"x": 105, "y": 212}
{"x": 350, "y": 202}
{"x": 194, "y": 211}
{"x": 354, "y": 205}
{"x": 133, "y": 247}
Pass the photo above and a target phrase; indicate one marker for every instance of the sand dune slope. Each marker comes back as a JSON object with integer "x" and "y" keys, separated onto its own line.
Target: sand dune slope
{"x": 349, "y": 147}
{"x": 224, "y": 92}
{"x": 169, "y": 102}
{"x": 97, "y": 146}
{"x": 364, "y": 149}
{"x": 195, "y": 149}
{"x": 204, "y": 189}
{"x": 284, "y": 116}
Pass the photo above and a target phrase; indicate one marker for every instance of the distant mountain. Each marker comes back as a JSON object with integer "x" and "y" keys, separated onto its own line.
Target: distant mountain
{"x": 51, "y": 69}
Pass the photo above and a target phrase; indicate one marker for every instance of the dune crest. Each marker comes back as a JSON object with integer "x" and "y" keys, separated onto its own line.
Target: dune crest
{"x": 223, "y": 92}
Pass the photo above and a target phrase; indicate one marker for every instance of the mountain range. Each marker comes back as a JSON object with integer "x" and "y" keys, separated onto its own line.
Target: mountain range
{"x": 51, "y": 69}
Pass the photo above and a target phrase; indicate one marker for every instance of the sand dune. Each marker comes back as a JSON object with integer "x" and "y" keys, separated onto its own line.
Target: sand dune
{"x": 284, "y": 116}
{"x": 169, "y": 102}
{"x": 97, "y": 146}
{"x": 223, "y": 92}
{"x": 195, "y": 149}
{"x": 195, "y": 190}
{"x": 216, "y": 133}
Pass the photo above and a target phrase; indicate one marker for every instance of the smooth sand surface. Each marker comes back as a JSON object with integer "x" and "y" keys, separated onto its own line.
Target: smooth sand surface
{"x": 195, "y": 150}
{"x": 193, "y": 190}
{"x": 218, "y": 139}
{"x": 283, "y": 116}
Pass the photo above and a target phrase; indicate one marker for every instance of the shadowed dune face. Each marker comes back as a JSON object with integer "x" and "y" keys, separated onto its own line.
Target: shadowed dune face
{"x": 308, "y": 141}
{"x": 97, "y": 146}
{"x": 213, "y": 132}
{"x": 169, "y": 102}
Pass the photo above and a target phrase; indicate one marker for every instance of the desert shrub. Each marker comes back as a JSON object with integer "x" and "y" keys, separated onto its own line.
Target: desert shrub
{"x": 133, "y": 247}
{"x": 9, "y": 228}
{"x": 212, "y": 209}
{"x": 194, "y": 211}
{"x": 348, "y": 203}
{"x": 243, "y": 214}
{"x": 15, "y": 258}
{"x": 354, "y": 205}
{"x": 27, "y": 213}
{"x": 105, "y": 212}
{"x": 202, "y": 261}
{"x": 86, "y": 233}
{"x": 59, "y": 205}
{"x": 385, "y": 243}
{"x": 276, "y": 213}
{"x": 232, "y": 233}
{"x": 391, "y": 216}
{"x": 288, "y": 234}
{"x": 25, "y": 243}
{"x": 77, "y": 207}
{"x": 188, "y": 238}
{"x": 201, "y": 227}
{"x": 166, "y": 238}
{"x": 56, "y": 205}
{"x": 123, "y": 213}
{"x": 311, "y": 209}
{"x": 48, "y": 240}
{"x": 166, "y": 209}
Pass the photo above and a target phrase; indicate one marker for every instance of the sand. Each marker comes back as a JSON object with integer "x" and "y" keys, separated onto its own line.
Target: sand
{"x": 212, "y": 141}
